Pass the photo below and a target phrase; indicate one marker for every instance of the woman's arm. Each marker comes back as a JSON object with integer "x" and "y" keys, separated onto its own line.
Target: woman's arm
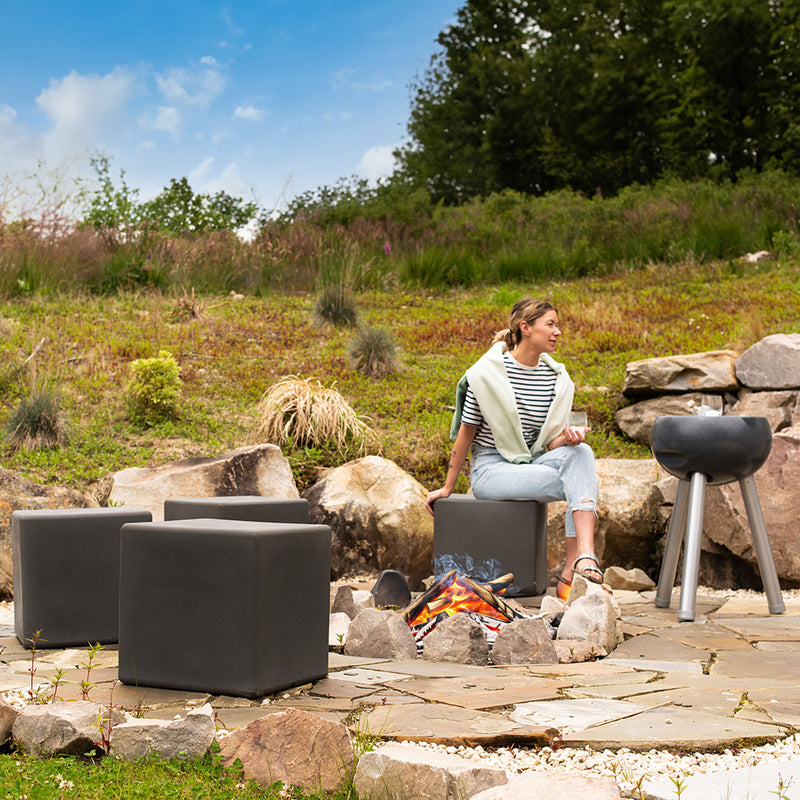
{"x": 466, "y": 433}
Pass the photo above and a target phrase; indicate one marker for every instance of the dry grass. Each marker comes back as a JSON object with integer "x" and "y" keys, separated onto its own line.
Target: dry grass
{"x": 304, "y": 413}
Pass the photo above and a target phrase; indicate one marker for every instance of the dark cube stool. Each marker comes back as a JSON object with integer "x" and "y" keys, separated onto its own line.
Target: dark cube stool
{"x": 66, "y": 574}
{"x": 224, "y": 606}
{"x": 489, "y": 538}
{"x": 245, "y": 507}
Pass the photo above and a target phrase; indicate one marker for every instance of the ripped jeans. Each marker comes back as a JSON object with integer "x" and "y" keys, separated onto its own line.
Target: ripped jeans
{"x": 564, "y": 473}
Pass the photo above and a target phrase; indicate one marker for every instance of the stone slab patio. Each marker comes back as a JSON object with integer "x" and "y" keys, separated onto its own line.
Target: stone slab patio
{"x": 730, "y": 677}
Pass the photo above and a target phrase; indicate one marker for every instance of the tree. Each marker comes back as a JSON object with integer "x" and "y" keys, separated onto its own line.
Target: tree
{"x": 458, "y": 97}
{"x": 179, "y": 210}
{"x": 535, "y": 95}
{"x": 118, "y": 216}
{"x": 114, "y": 213}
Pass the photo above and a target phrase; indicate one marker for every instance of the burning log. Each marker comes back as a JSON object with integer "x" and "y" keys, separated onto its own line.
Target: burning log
{"x": 454, "y": 593}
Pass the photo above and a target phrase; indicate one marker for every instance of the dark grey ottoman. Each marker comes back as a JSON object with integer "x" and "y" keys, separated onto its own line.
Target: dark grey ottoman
{"x": 247, "y": 507}
{"x": 488, "y": 538}
{"x": 66, "y": 574}
{"x": 224, "y": 606}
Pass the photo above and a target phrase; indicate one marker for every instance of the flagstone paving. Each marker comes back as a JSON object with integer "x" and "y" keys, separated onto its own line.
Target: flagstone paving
{"x": 729, "y": 678}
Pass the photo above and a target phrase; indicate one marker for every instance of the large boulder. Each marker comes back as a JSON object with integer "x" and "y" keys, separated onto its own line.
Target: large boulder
{"x": 378, "y": 519}
{"x": 636, "y": 420}
{"x": 17, "y": 494}
{"x": 772, "y": 363}
{"x": 628, "y": 521}
{"x": 260, "y": 470}
{"x": 698, "y": 372}
{"x": 725, "y": 521}
{"x": 779, "y": 408}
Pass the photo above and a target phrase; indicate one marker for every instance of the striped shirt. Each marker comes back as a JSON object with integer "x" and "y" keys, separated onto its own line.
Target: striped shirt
{"x": 534, "y": 390}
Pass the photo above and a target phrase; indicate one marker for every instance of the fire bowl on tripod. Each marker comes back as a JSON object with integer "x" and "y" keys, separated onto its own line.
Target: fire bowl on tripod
{"x": 710, "y": 450}
{"x": 724, "y": 449}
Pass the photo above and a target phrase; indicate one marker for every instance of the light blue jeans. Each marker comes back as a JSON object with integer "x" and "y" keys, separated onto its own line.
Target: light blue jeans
{"x": 564, "y": 473}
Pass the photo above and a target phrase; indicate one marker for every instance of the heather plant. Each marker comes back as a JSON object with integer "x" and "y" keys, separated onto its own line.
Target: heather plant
{"x": 154, "y": 389}
{"x": 373, "y": 352}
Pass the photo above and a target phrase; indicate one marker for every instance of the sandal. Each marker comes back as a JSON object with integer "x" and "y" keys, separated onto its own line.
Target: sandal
{"x": 592, "y": 574}
{"x": 563, "y": 595}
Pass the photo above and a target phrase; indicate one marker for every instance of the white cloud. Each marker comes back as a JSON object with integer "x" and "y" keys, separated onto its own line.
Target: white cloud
{"x": 17, "y": 143}
{"x": 200, "y": 172}
{"x": 377, "y": 162}
{"x": 194, "y": 86}
{"x": 343, "y": 80}
{"x": 337, "y": 116}
{"x": 167, "y": 119}
{"x": 80, "y": 106}
{"x": 227, "y": 18}
{"x": 249, "y": 112}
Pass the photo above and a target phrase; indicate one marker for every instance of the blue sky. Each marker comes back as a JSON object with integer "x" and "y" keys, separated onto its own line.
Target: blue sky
{"x": 261, "y": 99}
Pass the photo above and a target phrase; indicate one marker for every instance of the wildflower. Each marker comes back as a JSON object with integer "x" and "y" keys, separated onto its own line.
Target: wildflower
{"x": 387, "y": 248}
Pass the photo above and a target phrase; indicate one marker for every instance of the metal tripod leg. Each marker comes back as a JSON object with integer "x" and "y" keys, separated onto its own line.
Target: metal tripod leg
{"x": 691, "y": 551}
{"x": 766, "y": 564}
{"x": 672, "y": 547}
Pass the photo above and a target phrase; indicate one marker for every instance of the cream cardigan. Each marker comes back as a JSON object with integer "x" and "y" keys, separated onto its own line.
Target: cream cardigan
{"x": 489, "y": 382}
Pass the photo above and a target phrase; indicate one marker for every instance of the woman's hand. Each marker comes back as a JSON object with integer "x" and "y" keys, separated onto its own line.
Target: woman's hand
{"x": 575, "y": 435}
{"x": 569, "y": 437}
{"x": 434, "y": 496}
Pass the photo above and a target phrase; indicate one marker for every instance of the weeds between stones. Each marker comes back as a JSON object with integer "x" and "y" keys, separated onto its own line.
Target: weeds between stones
{"x": 89, "y": 665}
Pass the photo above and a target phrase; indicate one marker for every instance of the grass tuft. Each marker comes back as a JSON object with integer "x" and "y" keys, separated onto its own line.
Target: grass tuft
{"x": 335, "y": 306}
{"x": 373, "y": 352}
{"x": 304, "y": 413}
{"x": 38, "y": 423}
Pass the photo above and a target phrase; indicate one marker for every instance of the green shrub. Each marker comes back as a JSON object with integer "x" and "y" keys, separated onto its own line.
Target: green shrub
{"x": 372, "y": 352}
{"x": 154, "y": 389}
{"x": 37, "y": 423}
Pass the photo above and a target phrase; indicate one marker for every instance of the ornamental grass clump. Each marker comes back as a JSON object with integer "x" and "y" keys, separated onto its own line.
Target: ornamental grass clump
{"x": 38, "y": 423}
{"x": 304, "y": 413}
{"x": 154, "y": 389}
{"x": 335, "y": 306}
{"x": 372, "y": 352}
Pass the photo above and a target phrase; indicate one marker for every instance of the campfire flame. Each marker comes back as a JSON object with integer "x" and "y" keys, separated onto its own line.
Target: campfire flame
{"x": 454, "y": 593}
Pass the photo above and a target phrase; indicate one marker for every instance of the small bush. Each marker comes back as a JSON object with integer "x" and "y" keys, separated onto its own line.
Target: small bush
{"x": 372, "y": 352}
{"x": 335, "y": 306}
{"x": 304, "y": 413}
{"x": 38, "y": 423}
{"x": 154, "y": 389}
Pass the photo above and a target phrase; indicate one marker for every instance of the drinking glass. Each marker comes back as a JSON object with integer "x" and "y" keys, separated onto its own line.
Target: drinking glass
{"x": 578, "y": 419}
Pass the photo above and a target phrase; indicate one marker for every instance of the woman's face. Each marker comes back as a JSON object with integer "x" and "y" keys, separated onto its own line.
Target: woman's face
{"x": 544, "y": 333}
